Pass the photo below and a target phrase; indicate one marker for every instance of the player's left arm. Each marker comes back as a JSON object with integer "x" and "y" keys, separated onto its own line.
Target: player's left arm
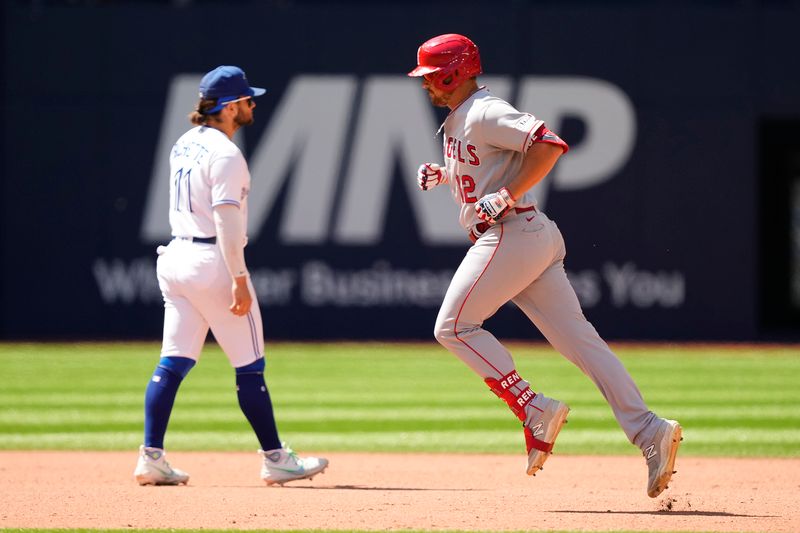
{"x": 538, "y": 162}
{"x": 542, "y": 150}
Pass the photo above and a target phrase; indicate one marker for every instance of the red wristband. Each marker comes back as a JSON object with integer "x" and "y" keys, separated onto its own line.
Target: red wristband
{"x": 507, "y": 196}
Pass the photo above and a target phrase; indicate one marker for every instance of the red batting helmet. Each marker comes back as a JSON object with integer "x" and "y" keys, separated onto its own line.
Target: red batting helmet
{"x": 451, "y": 58}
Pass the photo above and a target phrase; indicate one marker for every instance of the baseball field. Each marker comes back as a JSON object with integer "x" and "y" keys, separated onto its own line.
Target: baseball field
{"x": 416, "y": 442}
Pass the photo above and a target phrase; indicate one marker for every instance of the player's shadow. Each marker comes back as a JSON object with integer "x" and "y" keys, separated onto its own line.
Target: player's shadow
{"x": 366, "y": 487}
{"x": 670, "y": 512}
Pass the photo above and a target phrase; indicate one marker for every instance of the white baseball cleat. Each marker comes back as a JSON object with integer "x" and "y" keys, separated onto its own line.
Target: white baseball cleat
{"x": 660, "y": 456}
{"x": 541, "y": 432}
{"x": 153, "y": 469}
{"x": 283, "y": 465}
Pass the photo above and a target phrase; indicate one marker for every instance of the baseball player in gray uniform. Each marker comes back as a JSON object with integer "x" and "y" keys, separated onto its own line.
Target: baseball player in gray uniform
{"x": 204, "y": 281}
{"x": 493, "y": 156}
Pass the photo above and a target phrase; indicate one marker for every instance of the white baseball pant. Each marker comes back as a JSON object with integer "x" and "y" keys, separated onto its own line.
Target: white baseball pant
{"x": 196, "y": 286}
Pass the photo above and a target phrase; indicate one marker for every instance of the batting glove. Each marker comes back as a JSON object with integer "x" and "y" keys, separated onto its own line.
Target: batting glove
{"x": 494, "y": 206}
{"x": 429, "y": 175}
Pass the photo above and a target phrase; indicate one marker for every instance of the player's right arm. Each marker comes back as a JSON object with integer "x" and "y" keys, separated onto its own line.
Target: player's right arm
{"x": 429, "y": 175}
{"x": 229, "y": 180}
{"x": 230, "y": 237}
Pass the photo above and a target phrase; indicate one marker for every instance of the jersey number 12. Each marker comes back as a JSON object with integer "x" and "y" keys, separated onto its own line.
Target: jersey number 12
{"x": 467, "y": 188}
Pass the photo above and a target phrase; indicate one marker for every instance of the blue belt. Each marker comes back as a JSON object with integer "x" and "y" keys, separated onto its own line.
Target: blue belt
{"x": 201, "y": 240}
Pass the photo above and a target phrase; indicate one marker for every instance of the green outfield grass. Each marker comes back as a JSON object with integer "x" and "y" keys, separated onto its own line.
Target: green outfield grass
{"x": 739, "y": 401}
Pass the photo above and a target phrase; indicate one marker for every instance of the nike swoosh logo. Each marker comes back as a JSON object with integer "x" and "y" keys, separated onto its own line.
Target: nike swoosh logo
{"x": 165, "y": 472}
{"x": 530, "y": 218}
{"x": 300, "y": 470}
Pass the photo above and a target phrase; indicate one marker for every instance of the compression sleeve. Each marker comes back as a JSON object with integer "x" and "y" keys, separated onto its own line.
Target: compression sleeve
{"x": 230, "y": 236}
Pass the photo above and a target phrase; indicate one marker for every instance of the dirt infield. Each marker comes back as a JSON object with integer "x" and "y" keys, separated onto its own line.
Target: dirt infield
{"x": 388, "y": 492}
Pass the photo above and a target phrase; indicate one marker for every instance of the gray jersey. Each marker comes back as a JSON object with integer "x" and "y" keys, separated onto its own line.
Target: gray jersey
{"x": 485, "y": 140}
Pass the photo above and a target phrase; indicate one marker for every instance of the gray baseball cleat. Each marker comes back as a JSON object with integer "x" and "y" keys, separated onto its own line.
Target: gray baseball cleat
{"x": 283, "y": 465}
{"x": 660, "y": 456}
{"x": 541, "y": 431}
{"x": 153, "y": 469}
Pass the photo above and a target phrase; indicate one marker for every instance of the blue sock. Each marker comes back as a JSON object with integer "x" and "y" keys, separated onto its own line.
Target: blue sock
{"x": 256, "y": 404}
{"x": 160, "y": 397}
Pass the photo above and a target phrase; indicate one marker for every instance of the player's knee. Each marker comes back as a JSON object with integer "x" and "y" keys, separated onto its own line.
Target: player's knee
{"x": 253, "y": 368}
{"x": 179, "y": 366}
{"x": 444, "y": 332}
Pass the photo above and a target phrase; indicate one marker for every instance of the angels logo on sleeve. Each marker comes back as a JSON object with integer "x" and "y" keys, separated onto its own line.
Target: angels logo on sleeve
{"x": 544, "y": 135}
{"x": 527, "y": 123}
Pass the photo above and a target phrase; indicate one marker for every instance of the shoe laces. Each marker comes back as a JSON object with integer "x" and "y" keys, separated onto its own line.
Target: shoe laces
{"x": 164, "y": 463}
{"x": 291, "y": 453}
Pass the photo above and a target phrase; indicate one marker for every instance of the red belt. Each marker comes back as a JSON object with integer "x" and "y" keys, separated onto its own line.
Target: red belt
{"x": 480, "y": 228}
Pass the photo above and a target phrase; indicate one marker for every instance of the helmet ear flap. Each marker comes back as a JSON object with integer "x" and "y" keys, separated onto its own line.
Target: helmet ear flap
{"x": 448, "y": 80}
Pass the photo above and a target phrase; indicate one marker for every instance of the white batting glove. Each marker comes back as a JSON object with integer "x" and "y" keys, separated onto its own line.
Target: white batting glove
{"x": 429, "y": 175}
{"x": 494, "y": 206}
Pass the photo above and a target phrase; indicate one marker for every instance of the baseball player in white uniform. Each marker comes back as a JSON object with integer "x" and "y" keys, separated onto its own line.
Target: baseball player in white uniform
{"x": 493, "y": 156}
{"x": 204, "y": 281}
